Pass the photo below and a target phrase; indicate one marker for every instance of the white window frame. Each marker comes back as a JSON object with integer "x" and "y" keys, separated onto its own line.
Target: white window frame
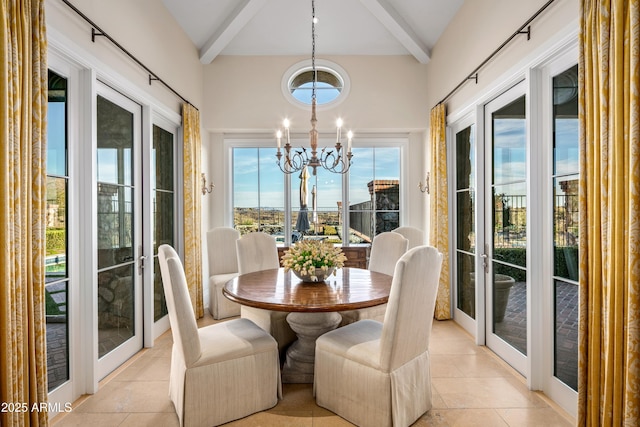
{"x": 265, "y": 141}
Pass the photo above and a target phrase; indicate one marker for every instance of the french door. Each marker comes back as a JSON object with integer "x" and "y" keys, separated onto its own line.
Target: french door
{"x": 516, "y": 234}
{"x": 504, "y": 253}
{"x": 118, "y": 229}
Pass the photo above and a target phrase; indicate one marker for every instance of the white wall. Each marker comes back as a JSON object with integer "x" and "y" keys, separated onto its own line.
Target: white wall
{"x": 242, "y": 95}
{"x": 145, "y": 29}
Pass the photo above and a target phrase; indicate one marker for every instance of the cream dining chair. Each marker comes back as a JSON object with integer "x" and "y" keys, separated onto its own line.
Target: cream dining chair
{"x": 414, "y": 235}
{"x": 221, "y": 372}
{"x": 223, "y": 266}
{"x": 258, "y": 251}
{"x": 378, "y": 374}
{"x": 386, "y": 250}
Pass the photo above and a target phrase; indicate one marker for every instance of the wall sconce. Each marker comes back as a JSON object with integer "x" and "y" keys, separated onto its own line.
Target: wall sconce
{"x": 206, "y": 189}
{"x": 425, "y": 188}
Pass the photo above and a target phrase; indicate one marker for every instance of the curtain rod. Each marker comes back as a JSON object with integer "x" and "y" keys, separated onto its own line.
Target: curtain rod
{"x": 152, "y": 76}
{"x": 474, "y": 74}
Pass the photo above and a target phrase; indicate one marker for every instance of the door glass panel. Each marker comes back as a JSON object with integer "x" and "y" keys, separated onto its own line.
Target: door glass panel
{"x": 465, "y": 217}
{"x": 115, "y": 307}
{"x": 509, "y": 295}
{"x": 163, "y": 210}
{"x": 56, "y": 266}
{"x": 115, "y": 226}
{"x": 565, "y": 225}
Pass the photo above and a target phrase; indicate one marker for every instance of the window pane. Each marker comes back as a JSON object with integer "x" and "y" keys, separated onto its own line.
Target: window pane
{"x": 56, "y": 260}
{"x": 565, "y": 222}
{"x": 115, "y": 138}
{"x": 565, "y": 225}
{"x": 509, "y": 139}
{"x": 466, "y": 284}
{"x": 374, "y": 192}
{"x": 324, "y": 195}
{"x": 510, "y": 304}
{"x": 162, "y": 159}
{"x": 258, "y": 191}
{"x": 465, "y": 159}
{"x": 115, "y": 225}
{"x": 510, "y": 223}
{"x": 116, "y": 320}
{"x": 57, "y": 251}
{"x": 465, "y": 216}
{"x": 566, "y": 333}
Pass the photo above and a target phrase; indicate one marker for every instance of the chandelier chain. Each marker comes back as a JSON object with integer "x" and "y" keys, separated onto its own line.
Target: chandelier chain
{"x": 313, "y": 49}
{"x": 337, "y": 159}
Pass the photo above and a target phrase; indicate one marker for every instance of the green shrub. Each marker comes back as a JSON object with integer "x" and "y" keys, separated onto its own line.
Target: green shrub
{"x": 56, "y": 241}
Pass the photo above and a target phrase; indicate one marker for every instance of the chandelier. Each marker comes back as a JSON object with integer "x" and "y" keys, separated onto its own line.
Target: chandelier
{"x": 333, "y": 159}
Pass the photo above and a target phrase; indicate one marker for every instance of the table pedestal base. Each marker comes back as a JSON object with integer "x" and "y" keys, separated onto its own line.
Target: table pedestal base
{"x": 298, "y": 368}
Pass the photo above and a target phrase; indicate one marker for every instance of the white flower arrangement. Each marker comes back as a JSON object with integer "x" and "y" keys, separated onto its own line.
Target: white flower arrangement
{"x": 314, "y": 259}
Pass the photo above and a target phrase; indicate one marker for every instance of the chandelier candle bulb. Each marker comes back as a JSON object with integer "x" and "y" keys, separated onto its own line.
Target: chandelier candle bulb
{"x": 285, "y": 123}
{"x": 278, "y": 138}
{"x": 349, "y": 138}
{"x": 339, "y": 131}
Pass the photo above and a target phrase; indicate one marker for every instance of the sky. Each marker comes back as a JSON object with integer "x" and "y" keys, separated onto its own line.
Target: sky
{"x": 251, "y": 163}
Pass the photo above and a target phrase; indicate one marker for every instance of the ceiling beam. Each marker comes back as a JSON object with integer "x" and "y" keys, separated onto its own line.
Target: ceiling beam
{"x": 229, "y": 29}
{"x": 397, "y": 26}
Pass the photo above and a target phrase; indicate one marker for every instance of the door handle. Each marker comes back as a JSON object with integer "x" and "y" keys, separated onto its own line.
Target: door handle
{"x": 141, "y": 260}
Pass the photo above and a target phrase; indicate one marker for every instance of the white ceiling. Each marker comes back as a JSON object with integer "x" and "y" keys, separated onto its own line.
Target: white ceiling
{"x": 283, "y": 27}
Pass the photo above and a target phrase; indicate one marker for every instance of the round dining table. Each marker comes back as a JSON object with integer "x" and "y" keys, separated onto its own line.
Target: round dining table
{"x": 313, "y": 307}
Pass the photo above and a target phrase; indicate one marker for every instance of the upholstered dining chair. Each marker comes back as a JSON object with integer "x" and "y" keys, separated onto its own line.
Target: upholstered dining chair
{"x": 258, "y": 251}
{"x": 223, "y": 266}
{"x": 414, "y": 235}
{"x": 386, "y": 250}
{"x": 221, "y": 372}
{"x": 378, "y": 374}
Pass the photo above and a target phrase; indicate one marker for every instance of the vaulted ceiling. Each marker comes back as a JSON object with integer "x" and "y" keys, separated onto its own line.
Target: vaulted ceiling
{"x": 283, "y": 27}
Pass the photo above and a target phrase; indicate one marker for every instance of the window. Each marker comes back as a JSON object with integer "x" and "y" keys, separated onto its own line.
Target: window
{"x": 332, "y": 83}
{"x": 371, "y": 199}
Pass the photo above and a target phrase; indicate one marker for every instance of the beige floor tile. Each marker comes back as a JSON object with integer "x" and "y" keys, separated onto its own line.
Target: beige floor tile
{"x": 461, "y": 418}
{"x": 78, "y": 419}
{"x": 437, "y": 402}
{"x": 479, "y": 365}
{"x": 330, "y": 420}
{"x": 532, "y": 417}
{"x": 275, "y": 419}
{"x": 464, "y": 393}
{"x": 130, "y": 396}
{"x": 297, "y": 397}
{"x": 151, "y": 420}
{"x": 444, "y": 366}
{"x": 147, "y": 368}
{"x": 458, "y": 345}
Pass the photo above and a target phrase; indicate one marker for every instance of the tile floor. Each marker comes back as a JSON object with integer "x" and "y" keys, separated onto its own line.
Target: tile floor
{"x": 471, "y": 386}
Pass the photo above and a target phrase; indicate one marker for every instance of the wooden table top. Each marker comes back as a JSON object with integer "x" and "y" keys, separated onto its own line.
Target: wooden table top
{"x": 350, "y": 289}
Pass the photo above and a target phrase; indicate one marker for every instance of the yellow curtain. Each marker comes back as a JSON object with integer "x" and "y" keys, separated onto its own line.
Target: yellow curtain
{"x": 609, "y": 337}
{"x": 439, "y": 218}
{"x": 23, "y": 109}
{"x": 192, "y": 207}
